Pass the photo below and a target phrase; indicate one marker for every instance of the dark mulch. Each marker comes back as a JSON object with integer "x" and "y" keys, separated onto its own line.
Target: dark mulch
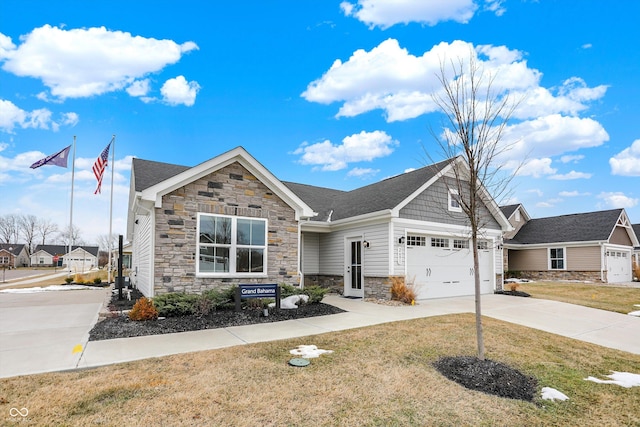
{"x": 514, "y": 293}
{"x": 488, "y": 377}
{"x": 120, "y": 326}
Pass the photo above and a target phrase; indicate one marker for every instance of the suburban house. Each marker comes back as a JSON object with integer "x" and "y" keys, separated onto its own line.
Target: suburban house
{"x": 13, "y": 255}
{"x": 593, "y": 246}
{"x": 636, "y": 250}
{"x": 230, "y": 221}
{"x": 81, "y": 258}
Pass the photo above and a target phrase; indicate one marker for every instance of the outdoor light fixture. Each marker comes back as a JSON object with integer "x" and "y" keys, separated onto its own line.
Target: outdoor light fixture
{"x": 401, "y": 240}
{"x": 365, "y": 244}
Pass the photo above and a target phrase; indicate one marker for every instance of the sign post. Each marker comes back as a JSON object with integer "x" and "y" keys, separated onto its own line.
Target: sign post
{"x": 257, "y": 291}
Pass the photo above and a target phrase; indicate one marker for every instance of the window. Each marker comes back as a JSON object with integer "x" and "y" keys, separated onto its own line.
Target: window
{"x": 231, "y": 245}
{"x": 454, "y": 201}
{"x": 483, "y": 244}
{"x": 556, "y": 258}
{"x": 517, "y": 215}
{"x": 4, "y": 260}
{"x": 460, "y": 244}
{"x": 438, "y": 242}
{"x": 416, "y": 241}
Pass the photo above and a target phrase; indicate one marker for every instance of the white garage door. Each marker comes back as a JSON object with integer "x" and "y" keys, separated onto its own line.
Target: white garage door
{"x": 618, "y": 266}
{"x": 442, "y": 267}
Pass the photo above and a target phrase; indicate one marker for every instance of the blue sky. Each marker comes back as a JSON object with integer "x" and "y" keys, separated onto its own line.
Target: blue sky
{"x": 328, "y": 93}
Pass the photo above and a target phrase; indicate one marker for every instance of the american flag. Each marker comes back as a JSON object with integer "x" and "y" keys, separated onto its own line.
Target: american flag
{"x": 99, "y": 166}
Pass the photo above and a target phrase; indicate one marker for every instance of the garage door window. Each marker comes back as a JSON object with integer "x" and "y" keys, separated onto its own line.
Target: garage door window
{"x": 438, "y": 242}
{"x": 556, "y": 258}
{"x": 460, "y": 244}
{"x": 416, "y": 241}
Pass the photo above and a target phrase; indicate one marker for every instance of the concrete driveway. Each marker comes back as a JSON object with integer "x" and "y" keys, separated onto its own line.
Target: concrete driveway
{"x": 38, "y": 331}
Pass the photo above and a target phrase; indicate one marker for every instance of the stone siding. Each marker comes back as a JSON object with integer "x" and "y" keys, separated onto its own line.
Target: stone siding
{"x": 232, "y": 191}
{"x": 582, "y": 276}
{"x": 374, "y": 287}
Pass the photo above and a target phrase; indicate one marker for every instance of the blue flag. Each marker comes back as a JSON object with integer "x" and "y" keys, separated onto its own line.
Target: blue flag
{"x": 57, "y": 159}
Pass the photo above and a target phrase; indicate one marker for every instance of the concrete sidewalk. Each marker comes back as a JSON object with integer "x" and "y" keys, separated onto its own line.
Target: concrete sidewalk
{"x": 617, "y": 331}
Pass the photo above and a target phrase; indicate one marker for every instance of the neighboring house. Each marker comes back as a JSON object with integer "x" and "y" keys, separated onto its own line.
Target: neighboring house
{"x": 81, "y": 258}
{"x": 126, "y": 256}
{"x": 593, "y": 246}
{"x": 230, "y": 221}
{"x": 14, "y": 255}
{"x": 636, "y": 250}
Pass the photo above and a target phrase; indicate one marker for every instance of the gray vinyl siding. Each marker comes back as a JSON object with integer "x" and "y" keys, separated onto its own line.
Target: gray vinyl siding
{"x": 142, "y": 253}
{"x": 584, "y": 259}
{"x": 310, "y": 253}
{"x": 432, "y": 205}
{"x": 375, "y": 258}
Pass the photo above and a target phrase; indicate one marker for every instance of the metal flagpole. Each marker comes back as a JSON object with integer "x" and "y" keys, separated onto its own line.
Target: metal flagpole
{"x": 73, "y": 170}
{"x": 113, "y": 164}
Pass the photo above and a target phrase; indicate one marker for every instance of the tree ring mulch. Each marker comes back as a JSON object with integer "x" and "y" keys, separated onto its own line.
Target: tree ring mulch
{"x": 513, "y": 293}
{"x": 488, "y": 377}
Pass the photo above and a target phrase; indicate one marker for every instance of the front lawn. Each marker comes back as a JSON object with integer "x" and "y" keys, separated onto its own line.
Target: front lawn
{"x": 376, "y": 376}
{"x": 604, "y": 297}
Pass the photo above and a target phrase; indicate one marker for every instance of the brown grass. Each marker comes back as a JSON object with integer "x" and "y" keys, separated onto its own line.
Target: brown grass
{"x": 377, "y": 376}
{"x": 401, "y": 291}
{"x": 604, "y": 297}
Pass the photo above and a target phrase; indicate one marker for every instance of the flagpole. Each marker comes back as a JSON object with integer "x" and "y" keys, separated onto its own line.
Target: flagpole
{"x": 73, "y": 170}
{"x": 113, "y": 164}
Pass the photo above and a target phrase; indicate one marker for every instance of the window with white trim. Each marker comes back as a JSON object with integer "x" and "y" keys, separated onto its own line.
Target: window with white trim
{"x": 483, "y": 244}
{"x": 229, "y": 245}
{"x": 416, "y": 241}
{"x": 4, "y": 260}
{"x": 556, "y": 259}
{"x": 454, "y": 201}
{"x": 439, "y": 242}
{"x": 460, "y": 244}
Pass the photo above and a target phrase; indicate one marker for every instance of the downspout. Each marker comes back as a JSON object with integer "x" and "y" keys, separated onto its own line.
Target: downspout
{"x": 300, "y": 273}
{"x": 603, "y": 260}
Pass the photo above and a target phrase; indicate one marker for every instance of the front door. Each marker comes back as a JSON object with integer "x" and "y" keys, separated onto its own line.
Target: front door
{"x": 353, "y": 274}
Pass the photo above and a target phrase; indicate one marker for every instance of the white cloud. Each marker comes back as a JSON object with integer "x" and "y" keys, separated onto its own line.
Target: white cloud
{"x": 178, "y": 91}
{"x": 361, "y": 147}
{"x": 386, "y": 13}
{"x": 536, "y": 168}
{"x": 571, "y": 175}
{"x": 627, "y": 162}
{"x": 87, "y": 62}
{"x": 363, "y": 172}
{"x": 12, "y": 116}
{"x": 587, "y": 46}
{"x": 569, "y": 158}
{"x": 139, "y": 88}
{"x": 572, "y": 194}
{"x": 618, "y": 200}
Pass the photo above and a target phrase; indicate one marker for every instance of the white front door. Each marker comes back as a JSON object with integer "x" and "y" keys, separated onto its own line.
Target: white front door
{"x": 353, "y": 276}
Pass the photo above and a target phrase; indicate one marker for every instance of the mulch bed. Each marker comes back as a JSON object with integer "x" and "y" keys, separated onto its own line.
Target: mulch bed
{"x": 513, "y": 293}
{"x": 119, "y": 326}
{"x": 488, "y": 377}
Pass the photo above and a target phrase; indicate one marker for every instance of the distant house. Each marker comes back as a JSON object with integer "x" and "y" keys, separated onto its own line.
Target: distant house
{"x": 14, "y": 255}
{"x": 230, "y": 221}
{"x": 636, "y": 250}
{"x": 81, "y": 258}
{"x": 593, "y": 246}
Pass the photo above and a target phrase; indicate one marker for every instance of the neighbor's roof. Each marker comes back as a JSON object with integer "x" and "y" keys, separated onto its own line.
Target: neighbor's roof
{"x": 636, "y": 229}
{"x": 582, "y": 227}
{"x": 12, "y": 247}
{"x": 384, "y": 195}
{"x": 509, "y": 209}
{"x": 62, "y": 249}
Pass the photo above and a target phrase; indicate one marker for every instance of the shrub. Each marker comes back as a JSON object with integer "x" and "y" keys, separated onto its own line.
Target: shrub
{"x": 143, "y": 309}
{"x": 220, "y": 298}
{"x": 68, "y": 280}
{"x": 97, "y": 280}
{"x": 287, "y": 290}
{"x": 400, "y": 291}
{"x": 513, "y": 286}
{"x": 176, "y": 304}
{"x": 316, "y": 293}
{"x": 513, "y": 274}
{"x": 636, "y": 270}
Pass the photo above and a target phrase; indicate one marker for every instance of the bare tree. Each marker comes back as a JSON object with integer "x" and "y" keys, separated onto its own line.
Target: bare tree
{"x": 70, "y": 236}
{"x": 9, "y": 229}
{"x": 45, "y": 229}
{"x": 28, "y": 226}
{"x": 475, "y": 117}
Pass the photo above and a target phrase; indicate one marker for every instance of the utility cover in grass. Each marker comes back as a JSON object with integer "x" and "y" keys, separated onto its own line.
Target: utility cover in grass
{"x": 488, "y": 377}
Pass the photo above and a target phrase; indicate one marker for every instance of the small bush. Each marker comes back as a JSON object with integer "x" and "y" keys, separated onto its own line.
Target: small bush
{"x": 143, "y": 309}
{"x": 316, "y": 293}
{"x": 636, "y": 270}
{"x": 513, "y": 274}
{"x": 287, "y": 290}
{"x": 220, "y": 298}
{"x": 68, "y": 280}
{"x": 176, "y": 304}
{"x": 402, "y": 292}
{"x": 97, "y": 280}
{"x": 513, "y": 286}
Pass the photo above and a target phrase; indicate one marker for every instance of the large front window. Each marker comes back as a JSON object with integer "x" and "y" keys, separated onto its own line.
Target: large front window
{"x": 229, "y": 245}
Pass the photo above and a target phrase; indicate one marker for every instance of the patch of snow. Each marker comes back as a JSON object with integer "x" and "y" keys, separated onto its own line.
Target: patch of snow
{"x": 291, "y": 302}
{"x": 47, "y": 289}
{"x": 623, "y": 379}
{"x": 308, "y": 351}
{"x": 635, "y": 313}
{"x": 549, "y": 393}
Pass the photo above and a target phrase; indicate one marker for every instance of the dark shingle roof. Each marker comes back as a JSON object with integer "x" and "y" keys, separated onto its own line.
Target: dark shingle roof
{"x": 379, "y": 196}
{"x": 509, "y": 209}
{"x": 62, "y": 249}
{"x": 636, "y": 229}
{"x": 582, "y": 227}
{"x": 12, "y": 247}
{"x": 148, "y": 173}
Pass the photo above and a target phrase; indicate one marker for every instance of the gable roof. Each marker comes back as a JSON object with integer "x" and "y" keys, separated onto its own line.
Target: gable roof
{"x": 12, "y": 247}
{"x": 149, "y": 173}
{"x": 63, "y": 250}
{"x": 636, "y": 229}
{"x": 333, "y": 205}
{"x": 581, "y": 227}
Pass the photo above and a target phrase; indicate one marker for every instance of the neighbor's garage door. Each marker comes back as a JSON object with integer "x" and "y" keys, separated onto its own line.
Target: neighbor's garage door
{"x": 443, "y": 266}
{"x": 618, "y": 266}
